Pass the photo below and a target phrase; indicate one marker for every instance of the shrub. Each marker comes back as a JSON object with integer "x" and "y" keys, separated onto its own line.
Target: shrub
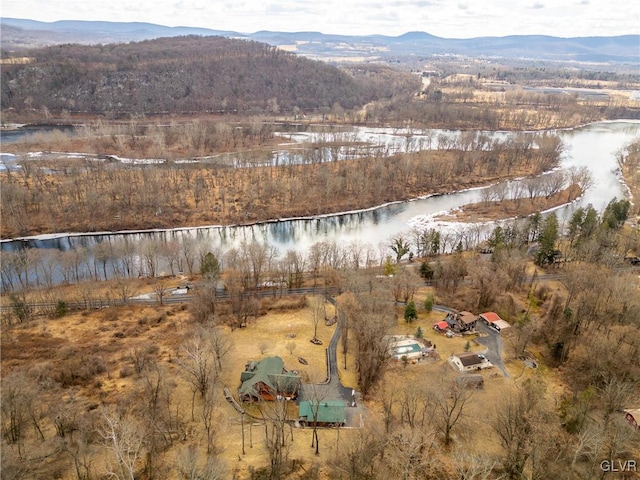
{"x": 61, "y": 309}
{"x": 428, "y": 303}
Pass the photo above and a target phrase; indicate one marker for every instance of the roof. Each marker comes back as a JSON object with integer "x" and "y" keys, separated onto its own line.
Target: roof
{"x": 501, "y": 324}
{"x": 467, "y": 359}
{"x": 467, "y": 317}
{"x": 328, "y": 411}
{"x": 272, "y": 373}
{"x": 441, "y": 325}
{"x": 490, "y": 316}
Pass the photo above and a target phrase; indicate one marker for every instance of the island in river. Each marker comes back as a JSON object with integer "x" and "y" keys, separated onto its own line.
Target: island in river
{"x": 105, "y": 193}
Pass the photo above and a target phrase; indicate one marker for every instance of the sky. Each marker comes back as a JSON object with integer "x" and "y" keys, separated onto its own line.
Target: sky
{"x": 444, "y": 18}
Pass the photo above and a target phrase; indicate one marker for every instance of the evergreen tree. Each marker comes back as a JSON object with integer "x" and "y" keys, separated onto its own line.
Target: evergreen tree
{"x": 400, "y": 247}
{"x": 410, "y": 312}
{"x": 426, "y": 271}
{"x": 615, "y": 214}
{"x": 496, "y": 239}
{"x": 547, "y": 240}
{"x": 428, "y": 303}
{"x": 210, "y": 267}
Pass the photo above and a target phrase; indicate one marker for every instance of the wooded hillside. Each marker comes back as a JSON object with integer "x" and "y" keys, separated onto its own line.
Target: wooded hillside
{"x": 183, "y": 75}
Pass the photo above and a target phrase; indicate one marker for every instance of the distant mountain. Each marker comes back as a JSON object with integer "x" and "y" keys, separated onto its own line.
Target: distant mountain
{"x": 19, "y": 33}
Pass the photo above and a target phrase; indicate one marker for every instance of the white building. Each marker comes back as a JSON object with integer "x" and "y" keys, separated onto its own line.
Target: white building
{"x": 467, "y": 362}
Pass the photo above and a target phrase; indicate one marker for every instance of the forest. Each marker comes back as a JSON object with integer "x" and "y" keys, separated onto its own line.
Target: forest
{"x": 187, "y": 75}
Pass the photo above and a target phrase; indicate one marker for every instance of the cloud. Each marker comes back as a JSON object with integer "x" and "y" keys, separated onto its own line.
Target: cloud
{"x": 537, "y": 6}
{"x": 462, "y": 6}
{"x": 413, "y": 3}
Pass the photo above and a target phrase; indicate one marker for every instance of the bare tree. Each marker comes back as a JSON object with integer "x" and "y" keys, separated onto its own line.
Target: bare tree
{"x": 361, "y": 455}
{"x": 275, "y": 416}
{"x": 14, "y": 408}
{"x": 123, "y": 437}
{"x": 190, "y": 465}
{"x": 316, "y": 393}
{"x": 123, "y": 289}
{"x": 161, "y": 289}
{"x": 318, "y": 313}
{"x": 471, "y": 466}
{"x": 514, "y": 425}
{"x": 404, "y": 285}
{"x": 198, "y": 364}
{"x": 449, "y": 401}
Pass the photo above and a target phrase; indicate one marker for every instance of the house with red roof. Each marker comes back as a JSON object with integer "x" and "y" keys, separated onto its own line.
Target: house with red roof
{"x": 493, "y": 320}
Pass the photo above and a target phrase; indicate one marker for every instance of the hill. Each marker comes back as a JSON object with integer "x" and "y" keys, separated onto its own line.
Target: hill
{"x": 188, "y": 74}
{"x": 621, "y": 49}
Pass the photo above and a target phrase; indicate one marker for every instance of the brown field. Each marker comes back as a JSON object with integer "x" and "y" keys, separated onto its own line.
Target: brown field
{"x": 65, "y": 348}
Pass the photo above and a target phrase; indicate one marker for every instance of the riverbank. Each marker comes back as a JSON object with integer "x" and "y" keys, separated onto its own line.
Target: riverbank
{"x": 490, "y": 211}
{"x": 630, "y": 170}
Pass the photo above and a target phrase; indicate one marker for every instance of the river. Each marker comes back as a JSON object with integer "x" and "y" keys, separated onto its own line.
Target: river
{"x": 594, "y": 146}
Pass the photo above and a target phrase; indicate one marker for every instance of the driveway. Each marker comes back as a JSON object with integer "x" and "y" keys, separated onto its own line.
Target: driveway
{"x": 493, "y": 341}
{"x": 333, "y": 389}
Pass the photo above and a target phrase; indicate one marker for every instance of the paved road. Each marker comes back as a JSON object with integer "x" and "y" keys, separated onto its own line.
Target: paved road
{"x": 493, "y": 341}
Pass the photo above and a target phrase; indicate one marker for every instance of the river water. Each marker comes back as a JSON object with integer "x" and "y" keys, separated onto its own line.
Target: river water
{"x": 594, "y": 146}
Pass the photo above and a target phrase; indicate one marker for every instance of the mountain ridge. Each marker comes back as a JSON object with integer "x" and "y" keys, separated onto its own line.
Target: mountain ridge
{"x": 608, "y": 49}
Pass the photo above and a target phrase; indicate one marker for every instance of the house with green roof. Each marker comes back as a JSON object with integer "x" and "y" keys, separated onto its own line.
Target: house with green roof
{"x": 325, "y": 413}
{"x": 267, "y": 379}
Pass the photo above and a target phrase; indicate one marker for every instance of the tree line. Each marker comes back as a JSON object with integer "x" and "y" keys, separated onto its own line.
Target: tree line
{"x": 89, "y": 195}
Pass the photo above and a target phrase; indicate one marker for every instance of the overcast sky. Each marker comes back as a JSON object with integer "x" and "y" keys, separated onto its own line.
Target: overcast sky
{"x": 444, "y": 18}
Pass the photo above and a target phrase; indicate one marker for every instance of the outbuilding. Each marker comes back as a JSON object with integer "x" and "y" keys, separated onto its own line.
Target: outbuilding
{"x": 492, "y": 319}
{"x": 633, "y": 417}
{"x": 470, "y": 380}
{"x": 323, "y": 413}
{"x": 441, "y": 326}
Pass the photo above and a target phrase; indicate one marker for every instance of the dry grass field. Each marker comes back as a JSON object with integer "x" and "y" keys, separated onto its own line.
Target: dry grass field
{"x": 90, "y": 353}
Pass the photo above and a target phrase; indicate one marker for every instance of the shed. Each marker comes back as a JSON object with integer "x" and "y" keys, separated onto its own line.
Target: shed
{"x": 632, "y": 416}
{"x": 493, "y": 320}
{"x": 328, "y": 413}
{"x": 472, "y": 380}
{"x": 441, "y": 326}
{"x": 268, "y": 379}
